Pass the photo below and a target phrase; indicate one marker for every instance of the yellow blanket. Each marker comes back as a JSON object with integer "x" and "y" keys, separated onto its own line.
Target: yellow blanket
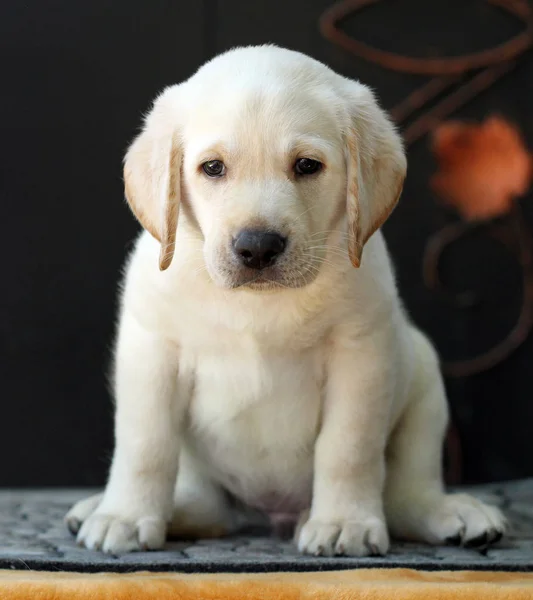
{"x": 363, "y": 584}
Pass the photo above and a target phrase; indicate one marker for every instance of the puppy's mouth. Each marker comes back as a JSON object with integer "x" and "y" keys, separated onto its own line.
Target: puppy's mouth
{"x": 272, "y": 280}
{"x": 261, "y": 281}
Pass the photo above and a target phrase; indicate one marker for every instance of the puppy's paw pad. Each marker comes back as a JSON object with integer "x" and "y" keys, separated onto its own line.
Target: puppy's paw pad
{"x": 365, "y": 537}
{"x": 115, "y": 535}
{"x": 461, "y": 519}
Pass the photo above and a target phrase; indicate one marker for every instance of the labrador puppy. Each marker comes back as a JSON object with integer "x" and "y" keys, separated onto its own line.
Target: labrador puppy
{"x": 269, "y": 359}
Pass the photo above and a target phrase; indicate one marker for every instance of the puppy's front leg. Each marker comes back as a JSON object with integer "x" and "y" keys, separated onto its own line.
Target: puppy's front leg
{"x": 137, "y": 503}
{"x": 346, "y": 514}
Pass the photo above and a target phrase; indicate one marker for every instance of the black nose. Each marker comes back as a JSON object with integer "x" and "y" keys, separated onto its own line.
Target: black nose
{"x": 258, "y": 249}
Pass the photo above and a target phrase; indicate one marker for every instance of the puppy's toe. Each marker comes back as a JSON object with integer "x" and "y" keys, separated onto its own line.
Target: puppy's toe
{"x": 365, "y": 537}
{"x": 318, "y": 538}
{"x": 368, "y": 537}
{"x": 80, "y": 512}
{"x": 93, "y": 531}
{"x": 119, "y": 536}
{"x": 151, "y": 533}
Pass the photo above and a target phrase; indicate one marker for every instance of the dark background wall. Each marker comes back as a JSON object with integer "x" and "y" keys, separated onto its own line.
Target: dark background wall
{"x": 76, "y": 77}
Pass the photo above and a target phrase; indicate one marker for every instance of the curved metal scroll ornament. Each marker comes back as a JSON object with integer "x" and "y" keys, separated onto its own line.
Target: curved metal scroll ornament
{"x": 484, "y": 67}
{"x": 464, "y": 77}
{"x": 514, "y": 233}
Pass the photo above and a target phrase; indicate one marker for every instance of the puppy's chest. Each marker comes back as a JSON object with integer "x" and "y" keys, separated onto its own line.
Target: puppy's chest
{"x": 254, "y": 417}
{"x": 253, "y": 392}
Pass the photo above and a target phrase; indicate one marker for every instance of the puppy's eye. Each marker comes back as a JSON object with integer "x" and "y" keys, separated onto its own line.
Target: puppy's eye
{"x": 307, "y": 166}
{"x": 214, "y": 168}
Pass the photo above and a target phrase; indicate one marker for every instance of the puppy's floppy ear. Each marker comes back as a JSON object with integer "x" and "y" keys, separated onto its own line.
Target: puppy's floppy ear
{"x": 376, "y": 167}
{"x": 152, "y": 174}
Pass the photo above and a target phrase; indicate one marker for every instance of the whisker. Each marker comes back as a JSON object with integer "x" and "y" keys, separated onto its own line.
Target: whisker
{"x": 200, "y": 269}
{"x": 331, "y": 253}
{"x": 327, "y": 232}
{"x": 327, "y": 247}
{"x": 302, "y": 214}
{"x": 317, "y": 260}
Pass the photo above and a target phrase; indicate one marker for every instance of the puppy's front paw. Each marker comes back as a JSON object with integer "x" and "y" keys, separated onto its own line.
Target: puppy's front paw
{"x": 116, "y": 534}
{"x": 366, "y": 536}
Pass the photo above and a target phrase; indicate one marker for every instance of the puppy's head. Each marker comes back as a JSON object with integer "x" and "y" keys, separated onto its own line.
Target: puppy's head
{"x": 279, "y": 161}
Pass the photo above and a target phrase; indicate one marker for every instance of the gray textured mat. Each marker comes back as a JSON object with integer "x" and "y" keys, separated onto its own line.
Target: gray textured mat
{"x": 32, "y": 536}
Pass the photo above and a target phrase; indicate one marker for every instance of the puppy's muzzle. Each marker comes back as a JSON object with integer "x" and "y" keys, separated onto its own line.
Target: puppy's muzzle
{"x": 258, "y": 249}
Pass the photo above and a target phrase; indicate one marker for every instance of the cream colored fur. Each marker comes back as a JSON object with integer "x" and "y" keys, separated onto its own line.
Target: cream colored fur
{"x": 305, "y": 391}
